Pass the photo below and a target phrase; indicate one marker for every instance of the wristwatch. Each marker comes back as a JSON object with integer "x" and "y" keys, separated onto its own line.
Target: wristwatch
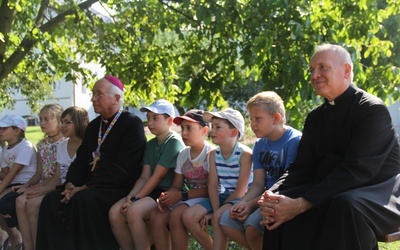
{"x": 133, "y": 199}
{"x": 185, "y": 196}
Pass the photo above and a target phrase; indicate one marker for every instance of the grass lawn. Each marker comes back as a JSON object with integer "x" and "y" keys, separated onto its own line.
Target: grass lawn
{"x": 34, "y": 134}
{"x": 389, "y": 246}
{"x": 193, "y": 245}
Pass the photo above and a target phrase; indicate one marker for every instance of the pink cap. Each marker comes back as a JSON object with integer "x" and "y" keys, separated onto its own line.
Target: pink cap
{"x": 115, "y": 81}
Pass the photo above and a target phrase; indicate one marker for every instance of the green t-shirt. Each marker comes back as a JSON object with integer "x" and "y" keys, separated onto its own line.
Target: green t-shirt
{"x": 164, "y": 154}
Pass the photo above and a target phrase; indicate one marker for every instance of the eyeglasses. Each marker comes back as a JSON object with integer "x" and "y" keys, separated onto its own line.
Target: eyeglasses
{"x": 96, "y": 95}
{"x": 66, "y": 123}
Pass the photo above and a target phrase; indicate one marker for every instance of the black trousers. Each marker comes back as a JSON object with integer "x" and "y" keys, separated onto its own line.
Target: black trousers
{"x": 349, "y": 221}
{"x": 82, "y": 223}
{"x": 8, "y": 208}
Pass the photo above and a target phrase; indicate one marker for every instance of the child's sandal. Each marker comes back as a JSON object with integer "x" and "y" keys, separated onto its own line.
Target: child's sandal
{"x": 4, "y": 246}
{"x": 19, "y": 246}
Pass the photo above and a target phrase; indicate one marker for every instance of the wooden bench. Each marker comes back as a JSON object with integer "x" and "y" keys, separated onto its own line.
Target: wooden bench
{"x": 395, "y": 236}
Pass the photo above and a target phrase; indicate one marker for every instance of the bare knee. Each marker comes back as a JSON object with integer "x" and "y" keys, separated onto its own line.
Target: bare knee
{"x": 20, "y": 202}
{"x": 175, "y": 217}
{"x": 114, "y": 213}
{"x": 157, "y": 218}
{"x": 253, "y": 234}
{"x": 32, "y": 207}
{"x": 189, "y": 218}
{"x": 154, "y": 217}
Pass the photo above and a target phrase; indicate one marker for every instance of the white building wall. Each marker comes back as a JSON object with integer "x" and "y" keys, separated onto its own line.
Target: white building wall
{"x": 394, "y": 110}
{"x": 64, "y": 93}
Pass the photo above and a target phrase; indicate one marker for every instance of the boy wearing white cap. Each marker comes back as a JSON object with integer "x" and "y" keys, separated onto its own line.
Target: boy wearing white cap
{"x": 19, "y": 156}
{"x": 18, "y": 163}
{"x": 128, "y": 216}
{"x": 229, "y": 177}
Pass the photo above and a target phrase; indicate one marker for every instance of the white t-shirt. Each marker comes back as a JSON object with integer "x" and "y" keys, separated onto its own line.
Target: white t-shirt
{"x": 23, "y": 153}
{"x": 195, "y": 170}
{"x": 64, "y": 159}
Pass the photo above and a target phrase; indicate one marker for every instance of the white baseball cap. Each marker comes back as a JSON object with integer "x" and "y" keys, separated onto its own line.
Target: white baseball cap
{"x": 13, "y": 121}
{"x": 160, "y": 107}
{"x": 232, "y": 115}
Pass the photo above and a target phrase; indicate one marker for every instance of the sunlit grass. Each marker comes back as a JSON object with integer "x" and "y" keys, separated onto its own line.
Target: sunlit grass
{"x": 34, "y": 134}
{"x": 389, "y": 246}
{"x": 193, "y": 245}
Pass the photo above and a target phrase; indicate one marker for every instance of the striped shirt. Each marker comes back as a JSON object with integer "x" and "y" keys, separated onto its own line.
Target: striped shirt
{"x": 229, "y": 169}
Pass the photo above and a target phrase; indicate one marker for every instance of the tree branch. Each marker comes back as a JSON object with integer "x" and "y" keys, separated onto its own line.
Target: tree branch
{"x": 29, "y": 41}
{"x": 42, "y": 13}
{"x": 47, "y": 27}
{"x": 178, "y": 11}
{"x": 7, "y": 16}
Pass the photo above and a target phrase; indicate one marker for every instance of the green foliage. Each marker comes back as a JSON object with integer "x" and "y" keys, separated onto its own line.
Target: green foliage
{"x": 197, "y": 52}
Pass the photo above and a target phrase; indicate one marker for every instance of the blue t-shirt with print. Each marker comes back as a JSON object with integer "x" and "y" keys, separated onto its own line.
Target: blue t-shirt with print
{"x": 276, "y": 156}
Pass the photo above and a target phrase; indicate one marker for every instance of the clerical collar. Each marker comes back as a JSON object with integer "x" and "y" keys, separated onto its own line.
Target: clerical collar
{"x": 343, "y": 97}
{"x": 109, "y": 120}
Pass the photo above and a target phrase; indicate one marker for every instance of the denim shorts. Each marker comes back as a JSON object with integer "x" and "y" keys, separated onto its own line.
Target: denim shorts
{"x": 206, "y": 203}
{"x": 253, "y": 220}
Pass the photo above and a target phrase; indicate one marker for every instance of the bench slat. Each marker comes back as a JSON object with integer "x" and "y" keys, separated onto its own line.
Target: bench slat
{"x": 395, "y": 236}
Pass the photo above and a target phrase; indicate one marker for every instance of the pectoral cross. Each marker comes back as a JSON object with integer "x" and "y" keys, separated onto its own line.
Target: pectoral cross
{"x": 94, "y": 162}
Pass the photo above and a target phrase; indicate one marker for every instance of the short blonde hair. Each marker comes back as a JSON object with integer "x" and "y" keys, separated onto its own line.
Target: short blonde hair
{"x": 271, "y": 102}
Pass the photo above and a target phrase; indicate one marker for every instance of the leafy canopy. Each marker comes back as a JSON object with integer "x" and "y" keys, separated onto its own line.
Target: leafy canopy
{"x": 196, "y": 52}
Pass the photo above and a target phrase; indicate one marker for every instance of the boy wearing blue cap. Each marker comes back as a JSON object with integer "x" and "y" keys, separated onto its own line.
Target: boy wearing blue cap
{"x": 128, "y": 216}
{"x": 189, "y": 186}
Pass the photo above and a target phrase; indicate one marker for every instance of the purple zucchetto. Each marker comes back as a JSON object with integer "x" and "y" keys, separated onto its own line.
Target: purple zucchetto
{"x": 115, "y": 81}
